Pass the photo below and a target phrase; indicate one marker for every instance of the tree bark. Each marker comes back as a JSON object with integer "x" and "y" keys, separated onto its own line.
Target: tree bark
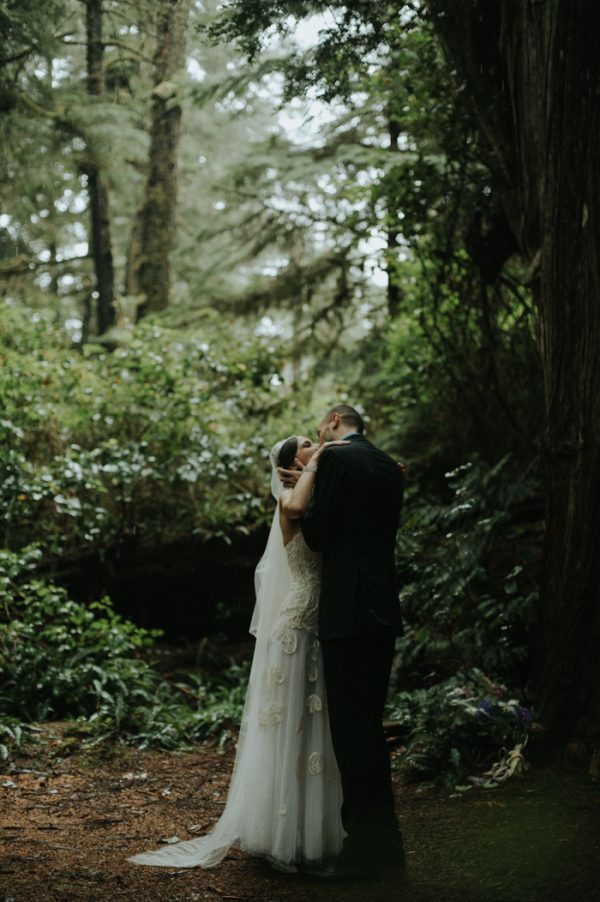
{"x": 150, "y": 274}
{"x": 532, "y": 75}
{"x": 393, "y": 288}
{"x": 297, "y": 298}
{"x": 97, "y": 189}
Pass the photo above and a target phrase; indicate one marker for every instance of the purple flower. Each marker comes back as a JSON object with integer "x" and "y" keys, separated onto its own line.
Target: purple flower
{"x": 523, "y": 715}
{"x": 485, "y": 707}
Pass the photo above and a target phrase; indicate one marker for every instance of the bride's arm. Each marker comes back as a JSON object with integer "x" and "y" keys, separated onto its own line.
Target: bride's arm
{"x": 295, "y": 502}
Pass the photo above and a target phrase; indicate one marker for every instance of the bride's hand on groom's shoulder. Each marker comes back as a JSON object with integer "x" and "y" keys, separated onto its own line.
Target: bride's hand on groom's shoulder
{"x": 314, "y": 461}
{"x": 326, "y": 445}
{"x": 289, "y": 478}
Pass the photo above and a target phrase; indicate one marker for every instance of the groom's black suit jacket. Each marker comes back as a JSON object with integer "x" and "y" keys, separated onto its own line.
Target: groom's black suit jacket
{"x": 353, "y": 519}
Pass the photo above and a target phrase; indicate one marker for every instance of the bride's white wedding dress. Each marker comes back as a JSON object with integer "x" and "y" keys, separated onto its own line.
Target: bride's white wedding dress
{"x": 285, "y": 794}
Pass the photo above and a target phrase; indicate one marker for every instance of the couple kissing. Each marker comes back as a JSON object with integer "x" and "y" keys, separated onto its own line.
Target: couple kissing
{"x": 311, "y": 786}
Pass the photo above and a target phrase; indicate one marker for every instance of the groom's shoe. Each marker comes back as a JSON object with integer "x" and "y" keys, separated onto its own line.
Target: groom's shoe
{"x": 390, "y": 857}
{"x": 341, "y": 868}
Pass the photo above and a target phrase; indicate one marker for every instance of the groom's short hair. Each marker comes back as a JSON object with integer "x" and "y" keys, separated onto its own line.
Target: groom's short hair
{"x": 348, "y": 415}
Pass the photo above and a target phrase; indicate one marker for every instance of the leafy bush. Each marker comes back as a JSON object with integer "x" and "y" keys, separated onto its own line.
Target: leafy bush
{"x": 468, "y": 602}
{"x": 12, "y": 737}
{"x": 470, "y": 575}
{"x": 162, "y": 438}
{"x": 457, "y": 727}
{"x": 60, "y": 659}
{"x": 208, "y": 708}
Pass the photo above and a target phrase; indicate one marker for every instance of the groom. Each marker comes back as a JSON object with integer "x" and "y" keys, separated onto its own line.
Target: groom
{"x": 353, "y": 519}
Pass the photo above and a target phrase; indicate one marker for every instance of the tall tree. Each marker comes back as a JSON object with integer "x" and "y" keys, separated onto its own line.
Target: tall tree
{"x": 393, "y": 288}
{"x": 532, "y": 76}
{"x": 150, "y": 274}
{"x": 98, "y": 191}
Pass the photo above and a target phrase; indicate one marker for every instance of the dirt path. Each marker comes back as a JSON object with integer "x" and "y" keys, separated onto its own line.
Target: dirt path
{"x": 69, "y": 822}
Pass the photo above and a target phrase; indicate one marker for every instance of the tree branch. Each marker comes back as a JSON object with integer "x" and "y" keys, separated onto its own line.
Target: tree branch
{"x": 36, "y": 108}
{"x": 121, "y": 44}
{"x": 24, "y": 264}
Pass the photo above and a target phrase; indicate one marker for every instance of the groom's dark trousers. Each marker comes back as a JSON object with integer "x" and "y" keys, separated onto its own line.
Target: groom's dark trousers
{"x": 353, "y": 519}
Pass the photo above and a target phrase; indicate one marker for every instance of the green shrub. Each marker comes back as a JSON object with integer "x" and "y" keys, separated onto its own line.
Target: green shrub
{"x": 160, "y": 439}
{"x": 209, "y": 708}
{"x": 63, "y": 660}
{"x": 12, "y": 737}
{"x": 470, "y": 568}
{"x": 456, "y": 728}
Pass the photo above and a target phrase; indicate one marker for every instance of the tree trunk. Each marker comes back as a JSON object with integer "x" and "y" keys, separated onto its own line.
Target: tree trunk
{"x": 98, "y": 192}
{"x": 150, "y": 275}
{"x": 393, "y": 288}
{"x": 532, "y": 76}
{"x": 296, "y": 259}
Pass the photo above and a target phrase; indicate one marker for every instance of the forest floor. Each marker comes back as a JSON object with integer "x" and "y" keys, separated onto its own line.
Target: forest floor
{"x": 70, "y": 818}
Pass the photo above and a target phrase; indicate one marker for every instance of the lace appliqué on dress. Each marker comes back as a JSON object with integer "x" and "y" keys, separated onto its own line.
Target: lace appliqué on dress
{"x": 300, "y": 607}
{"x": 274, "y": 676}
{"x": 312, "y": 662}
{"x": 270, "y": 715}
{"x": 289, "y": 642}
{"x": 315, "y": 763}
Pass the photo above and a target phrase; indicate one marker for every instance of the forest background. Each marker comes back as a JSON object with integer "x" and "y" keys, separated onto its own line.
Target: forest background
{"x": 216, "y": 222}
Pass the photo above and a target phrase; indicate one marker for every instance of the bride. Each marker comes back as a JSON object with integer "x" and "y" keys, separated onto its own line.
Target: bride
{"x": 285, "y": 794}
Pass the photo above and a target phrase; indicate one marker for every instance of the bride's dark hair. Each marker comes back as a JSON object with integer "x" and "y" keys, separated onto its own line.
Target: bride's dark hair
{"x": 288, "y": 452}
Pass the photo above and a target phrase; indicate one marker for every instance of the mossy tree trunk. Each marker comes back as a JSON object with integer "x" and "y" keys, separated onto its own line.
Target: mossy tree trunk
{"x": 149, "y": 273}
{"x": 531, "y": 73}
